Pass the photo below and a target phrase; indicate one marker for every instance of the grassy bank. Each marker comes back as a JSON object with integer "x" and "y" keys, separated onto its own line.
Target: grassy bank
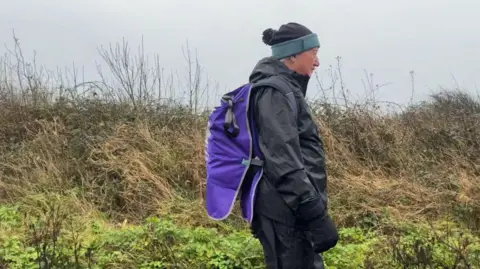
{"x": 114, "y": 178}
{"x": 51, "y": 235}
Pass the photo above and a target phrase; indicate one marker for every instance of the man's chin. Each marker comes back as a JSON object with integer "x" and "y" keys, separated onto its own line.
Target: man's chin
{"x": 305, "y": 74}
{"x": 310, "y": 73}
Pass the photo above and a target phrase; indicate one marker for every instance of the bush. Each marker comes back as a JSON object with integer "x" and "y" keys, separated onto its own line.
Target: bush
{"x": 128, "y": 149}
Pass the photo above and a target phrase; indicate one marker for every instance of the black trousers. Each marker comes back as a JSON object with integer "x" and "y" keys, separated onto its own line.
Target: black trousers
{"x": 285, "y": 247}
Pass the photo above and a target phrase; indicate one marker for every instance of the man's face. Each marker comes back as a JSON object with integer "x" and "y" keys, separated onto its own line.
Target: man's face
{"x": 306, "y": 62}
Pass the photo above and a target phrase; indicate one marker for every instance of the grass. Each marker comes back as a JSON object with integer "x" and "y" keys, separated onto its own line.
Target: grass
{"x": 114, "y": 177}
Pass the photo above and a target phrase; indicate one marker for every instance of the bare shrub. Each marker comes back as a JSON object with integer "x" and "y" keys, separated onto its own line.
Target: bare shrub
{"x": 132, "y": 140}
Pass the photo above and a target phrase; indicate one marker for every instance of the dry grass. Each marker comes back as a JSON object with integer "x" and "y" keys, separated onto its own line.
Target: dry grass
{"x": 420, "y": 163}
{"x": 130, "y": 159}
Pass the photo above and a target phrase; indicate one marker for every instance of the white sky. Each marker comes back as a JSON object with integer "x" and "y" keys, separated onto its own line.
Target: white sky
{"x": 437, "y": 39}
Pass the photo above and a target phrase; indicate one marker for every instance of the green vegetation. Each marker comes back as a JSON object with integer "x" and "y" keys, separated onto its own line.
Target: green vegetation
{"x": 55, "y": 239}
{"x": 114, "y": 178}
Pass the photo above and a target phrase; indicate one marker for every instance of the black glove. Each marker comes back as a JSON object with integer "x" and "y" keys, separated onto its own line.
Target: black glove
{"x": 313, "y": 217}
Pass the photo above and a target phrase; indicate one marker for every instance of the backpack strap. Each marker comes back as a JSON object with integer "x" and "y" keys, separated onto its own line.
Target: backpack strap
{"x": 230, "y": 120}
{"x": 280, "y": 83}
{"x": 285, "y": 215}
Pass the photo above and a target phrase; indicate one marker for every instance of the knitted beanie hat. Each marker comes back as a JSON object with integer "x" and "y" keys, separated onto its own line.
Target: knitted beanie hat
{"x": 290, "y": 39}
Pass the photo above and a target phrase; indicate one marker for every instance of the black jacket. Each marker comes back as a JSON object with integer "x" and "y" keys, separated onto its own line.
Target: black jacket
{"x": 294, "y": 171}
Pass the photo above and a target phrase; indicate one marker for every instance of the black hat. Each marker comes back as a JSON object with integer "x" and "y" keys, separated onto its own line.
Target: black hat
{"x": 290, "y": 39}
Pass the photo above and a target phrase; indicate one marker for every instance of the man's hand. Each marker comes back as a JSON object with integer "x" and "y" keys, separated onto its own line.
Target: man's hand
{"x": 313, "y": 218}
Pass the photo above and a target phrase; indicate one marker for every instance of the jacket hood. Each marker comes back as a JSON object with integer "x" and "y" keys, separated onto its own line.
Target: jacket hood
{"x": 269, "y": 66}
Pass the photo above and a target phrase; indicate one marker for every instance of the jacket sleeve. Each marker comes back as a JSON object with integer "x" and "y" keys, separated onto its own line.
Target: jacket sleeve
{"x": 280, "y": 145}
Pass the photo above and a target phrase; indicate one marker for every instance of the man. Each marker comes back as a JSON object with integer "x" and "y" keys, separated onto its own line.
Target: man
{"x": 290, "y": 219}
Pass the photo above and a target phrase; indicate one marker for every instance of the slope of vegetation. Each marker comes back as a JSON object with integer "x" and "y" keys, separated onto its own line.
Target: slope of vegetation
{"x": 113, "y": 177}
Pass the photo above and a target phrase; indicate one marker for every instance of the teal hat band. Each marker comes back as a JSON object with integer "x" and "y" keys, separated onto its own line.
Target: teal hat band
{"x": 295, "y": 46}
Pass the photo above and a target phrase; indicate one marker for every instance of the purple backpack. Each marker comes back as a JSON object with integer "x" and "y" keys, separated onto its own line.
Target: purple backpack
{"x": 234, "y": 162}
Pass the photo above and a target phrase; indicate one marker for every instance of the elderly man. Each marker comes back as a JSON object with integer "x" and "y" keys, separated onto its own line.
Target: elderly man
{"x": 290, "y": 214}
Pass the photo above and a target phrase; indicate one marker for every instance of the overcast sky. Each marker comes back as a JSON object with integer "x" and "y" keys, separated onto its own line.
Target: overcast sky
{"x": 437, "y": 39}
